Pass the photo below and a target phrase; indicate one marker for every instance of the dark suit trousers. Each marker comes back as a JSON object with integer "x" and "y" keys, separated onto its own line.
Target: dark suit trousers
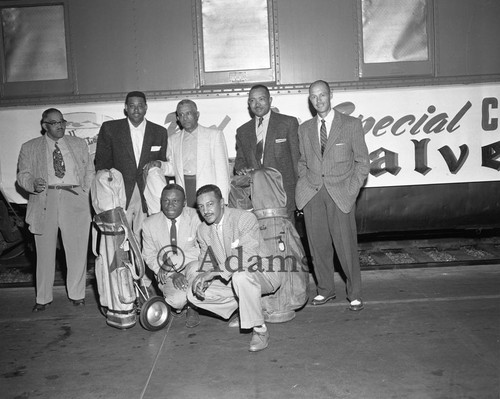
{"x": 328, "y": 230}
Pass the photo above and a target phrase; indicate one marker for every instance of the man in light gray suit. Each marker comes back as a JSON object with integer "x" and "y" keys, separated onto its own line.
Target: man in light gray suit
{"x": 170, "y": 249}
{"x": 56, "y": 172}
{"x": 333, "y": 166}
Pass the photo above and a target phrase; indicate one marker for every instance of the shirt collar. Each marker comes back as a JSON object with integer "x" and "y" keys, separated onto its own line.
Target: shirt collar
{"x": 142, "y": 125}
{"x": 265, "y": 117}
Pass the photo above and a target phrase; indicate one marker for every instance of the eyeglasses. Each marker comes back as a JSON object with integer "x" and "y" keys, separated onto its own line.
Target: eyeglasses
{"x": 55, "y": 123}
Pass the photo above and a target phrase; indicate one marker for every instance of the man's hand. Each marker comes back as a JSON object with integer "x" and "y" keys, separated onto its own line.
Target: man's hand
{"x": 151, "y": 164}
{"x": 180, "y": 281}
{"x": 201, "y": 283}
{"x": 162, "y": 276}
{"x": 244, "y": 171}
{"x": 39, "y": 184}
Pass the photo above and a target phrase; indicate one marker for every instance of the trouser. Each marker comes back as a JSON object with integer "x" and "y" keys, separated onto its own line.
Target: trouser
{"x": 176, "y": 298}
{"x": 69, "y": 213}
{"x": 329, "y": 230}
{"x": 244, "y": 291}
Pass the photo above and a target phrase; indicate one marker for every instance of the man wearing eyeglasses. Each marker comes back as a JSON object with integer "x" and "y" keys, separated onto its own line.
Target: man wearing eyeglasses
{"x": 56, "y": 171}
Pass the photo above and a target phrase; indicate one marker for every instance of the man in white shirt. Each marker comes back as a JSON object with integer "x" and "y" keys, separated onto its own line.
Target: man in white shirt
{"x": 196, "y": 155}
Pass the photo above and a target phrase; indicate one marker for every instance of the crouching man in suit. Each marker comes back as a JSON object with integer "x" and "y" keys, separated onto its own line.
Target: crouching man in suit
{"x": 170, "y": 249}
{"x": 233, "y": 274}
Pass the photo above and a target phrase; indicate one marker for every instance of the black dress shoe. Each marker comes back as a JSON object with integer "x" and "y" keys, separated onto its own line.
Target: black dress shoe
{"x": 78, "y": 302}
{"x": 39, "y": 307}
{"x": 321, "y": 300}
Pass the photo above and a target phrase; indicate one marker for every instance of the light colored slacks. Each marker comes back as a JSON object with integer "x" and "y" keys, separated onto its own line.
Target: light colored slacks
{"x": 244, "y": 291}
{"x": 178, "y": 298}
{"x": 69, "y": 213}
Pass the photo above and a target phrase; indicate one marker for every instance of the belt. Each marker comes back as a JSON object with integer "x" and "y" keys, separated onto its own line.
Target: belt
{"x": 67, "y": 187}
{"x": 270, "y": 213}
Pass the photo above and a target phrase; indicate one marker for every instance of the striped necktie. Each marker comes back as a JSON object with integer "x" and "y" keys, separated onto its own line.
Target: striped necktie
{"x": 323, "y": 136}
{"x": 260, "y": 141}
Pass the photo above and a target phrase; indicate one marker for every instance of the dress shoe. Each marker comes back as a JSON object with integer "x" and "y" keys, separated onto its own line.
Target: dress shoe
{"x": 78, "y": 302}
{"x": 234, "y": 321}
{"x": 321, "y": 300}
{"x": 356, "y": 305}
{"x": 192, "y": 318}
{"x": 39, "y": 307}
{"x": 259, "y": 341}
{"x": 178, "y": 313}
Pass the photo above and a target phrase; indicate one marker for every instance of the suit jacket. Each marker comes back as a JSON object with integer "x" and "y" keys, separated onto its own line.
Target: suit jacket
{"x": 32, "y": 164}
{"x": 156, "y": 235}
{"x": 244, "y": 245}
{"x": 115, "y": 150}
{"x": 212, "y": 164}
{"x": 281, "y": 150}
{"x": 343, "y": 167}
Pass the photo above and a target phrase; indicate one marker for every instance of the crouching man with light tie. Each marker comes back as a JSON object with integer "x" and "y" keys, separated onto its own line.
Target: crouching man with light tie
{"x": 234, "y": 272}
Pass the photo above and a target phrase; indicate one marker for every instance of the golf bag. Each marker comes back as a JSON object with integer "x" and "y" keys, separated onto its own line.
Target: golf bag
{"x": 263, "y": 192}
{"x": 119, "y": 263}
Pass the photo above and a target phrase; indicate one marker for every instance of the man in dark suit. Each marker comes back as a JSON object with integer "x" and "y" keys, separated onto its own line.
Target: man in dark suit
{"x": 130, "y": 145}
{"x": 270, "y": 140}
{"x": 333, "y": 166}
{"x": 238, "y": 272}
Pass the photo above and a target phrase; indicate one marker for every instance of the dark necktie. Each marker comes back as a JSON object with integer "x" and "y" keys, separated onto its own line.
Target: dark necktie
{"x": 322, "y": 135}
{"x": 260, "y": 142}
{"x": 173, "y": 236}
{"x": 58, "y": 160}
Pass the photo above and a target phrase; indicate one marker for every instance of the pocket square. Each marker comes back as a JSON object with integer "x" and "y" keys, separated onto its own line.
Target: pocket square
{"x": 235, "y": 244}
{"x": 155, "y": 147}
{"x": 190, "y": 238}
{"x": 340, "y": 144}
{"x": 280, "y": 141}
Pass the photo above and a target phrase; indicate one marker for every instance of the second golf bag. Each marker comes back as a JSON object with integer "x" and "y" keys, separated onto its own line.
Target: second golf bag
{"x": 262, "y": 191}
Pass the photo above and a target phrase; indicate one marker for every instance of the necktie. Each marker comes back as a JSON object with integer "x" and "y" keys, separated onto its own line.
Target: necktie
{"x": 58, "y": 160}
{"x": 322, "y": 135}
{"x": 173, "y": 236}
{"x": 260, "y": 142}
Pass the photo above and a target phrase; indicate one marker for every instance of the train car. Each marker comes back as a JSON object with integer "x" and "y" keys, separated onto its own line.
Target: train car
{"x": 422, "y": 75}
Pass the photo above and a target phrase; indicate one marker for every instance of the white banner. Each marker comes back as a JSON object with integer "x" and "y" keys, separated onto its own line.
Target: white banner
{"x": 422, "y": 135}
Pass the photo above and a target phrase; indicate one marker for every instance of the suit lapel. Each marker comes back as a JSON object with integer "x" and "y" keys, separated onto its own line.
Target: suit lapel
{"x": 41, "y": 156}
{"x": 313, "y": 137}
{"x": 127, "y": 141}
{"x": 270, "y": 137}
{"x": 146, "y": 145}
{"x": 250, "y": 138}
{"x": 334, "y": 132}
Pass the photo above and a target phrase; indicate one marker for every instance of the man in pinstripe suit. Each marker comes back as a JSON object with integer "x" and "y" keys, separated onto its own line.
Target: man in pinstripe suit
{"x": 333, "y": 166}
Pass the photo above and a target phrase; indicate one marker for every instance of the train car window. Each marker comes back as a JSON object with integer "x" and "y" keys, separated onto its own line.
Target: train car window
{"x": 34, "y": 48}
{"x": 235, "y": 42}
{"x": 396, "y": 38}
